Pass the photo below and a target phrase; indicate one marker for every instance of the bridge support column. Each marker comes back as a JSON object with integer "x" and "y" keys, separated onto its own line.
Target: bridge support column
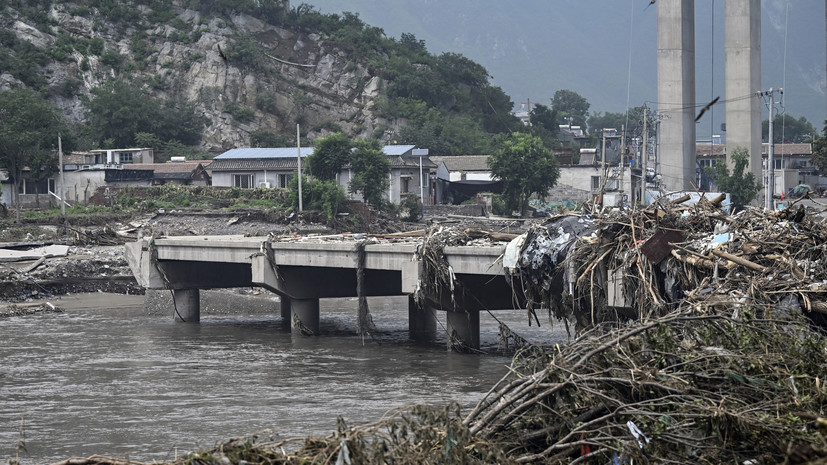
{"x": 187, "y": 305}
{"x": 421, "y": 321}
{"x": 464, "y": 329}
{"x": 284, "y": 306}
{"x": 304, "y": 316}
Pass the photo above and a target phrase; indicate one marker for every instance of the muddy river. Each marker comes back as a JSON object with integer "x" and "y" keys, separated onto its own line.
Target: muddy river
{"x": 109, "y": 377}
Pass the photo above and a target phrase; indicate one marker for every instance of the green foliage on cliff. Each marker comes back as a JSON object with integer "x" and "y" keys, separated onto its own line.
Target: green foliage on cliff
{"x": 446, "y": 100}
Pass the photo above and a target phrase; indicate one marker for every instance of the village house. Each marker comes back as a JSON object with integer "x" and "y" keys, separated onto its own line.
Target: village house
{"x": 249, "y": 168}
{"x": 792, "y": 162}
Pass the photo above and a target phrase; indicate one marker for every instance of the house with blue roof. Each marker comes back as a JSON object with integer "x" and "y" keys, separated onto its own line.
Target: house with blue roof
{"x": 250, "y": 168}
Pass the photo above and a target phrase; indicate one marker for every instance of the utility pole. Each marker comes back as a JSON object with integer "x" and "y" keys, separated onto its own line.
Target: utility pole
{"x": 769, "y": 189}
{"x": 299, "y": 154}
{"x": 62, "y": 182}
{"x": 622, "y": 155}
{"x": 603, "y": 166}
{"x": 644, "y": 156}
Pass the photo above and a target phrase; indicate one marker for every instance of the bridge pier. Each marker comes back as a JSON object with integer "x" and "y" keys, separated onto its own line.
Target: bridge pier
{"x": 421, "y": 321}
{"x": 463, "y": 328}
{"x": 304, "y": 316}
{"x": 187, "y": 305}
{"x": 284, "y": 306}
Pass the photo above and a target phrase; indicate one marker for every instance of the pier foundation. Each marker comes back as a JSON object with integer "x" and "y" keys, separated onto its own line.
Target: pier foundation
{"x": 187, "y": 305}
{"x": 304, "y": 316}
{"x": 421, "y": 321}
{"x": 284, "y": 306}
{"x": 463, "y": 329}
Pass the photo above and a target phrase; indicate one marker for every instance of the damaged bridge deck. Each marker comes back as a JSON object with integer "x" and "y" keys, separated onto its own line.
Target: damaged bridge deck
{"x": 302, "y": 272}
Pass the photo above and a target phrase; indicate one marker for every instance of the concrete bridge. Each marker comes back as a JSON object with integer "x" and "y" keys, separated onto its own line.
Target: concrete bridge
{"x": 301, "y": 273}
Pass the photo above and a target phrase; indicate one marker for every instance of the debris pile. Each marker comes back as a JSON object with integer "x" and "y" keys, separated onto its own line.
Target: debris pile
{"x": 686, "y": 387}
{"x": 639, "y": 264}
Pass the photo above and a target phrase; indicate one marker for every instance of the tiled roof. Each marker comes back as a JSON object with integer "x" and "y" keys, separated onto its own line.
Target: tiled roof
{"x": 710, "y": 150}
{"x": 463, "y": 162}
{"x": 255, "y": 164}
{"x": 788, "y": 149}
{"x": 164, "y": 167}
{"x": 410, "y": 161}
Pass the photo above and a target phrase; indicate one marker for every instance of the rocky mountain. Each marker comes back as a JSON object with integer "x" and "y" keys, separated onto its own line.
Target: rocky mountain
{"x": 243, "y": 74}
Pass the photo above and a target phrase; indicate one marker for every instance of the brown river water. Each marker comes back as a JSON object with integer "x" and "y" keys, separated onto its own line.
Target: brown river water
{"x": 115, "y": 375}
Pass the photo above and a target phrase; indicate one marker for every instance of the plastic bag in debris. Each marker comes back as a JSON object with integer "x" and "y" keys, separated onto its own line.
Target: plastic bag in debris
{"x": 512, "y": 252}
{"x": 540, "y": 250}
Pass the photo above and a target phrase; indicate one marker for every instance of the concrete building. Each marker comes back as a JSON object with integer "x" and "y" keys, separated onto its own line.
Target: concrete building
{"x": 459, "y": 178}
{"x": 792, "y": 166}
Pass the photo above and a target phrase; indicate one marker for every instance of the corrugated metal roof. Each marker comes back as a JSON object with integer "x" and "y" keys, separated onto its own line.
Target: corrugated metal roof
{"x": 277, "y": 152}
{"x": 397, "y": 149}
{"x": 290, "y": 152}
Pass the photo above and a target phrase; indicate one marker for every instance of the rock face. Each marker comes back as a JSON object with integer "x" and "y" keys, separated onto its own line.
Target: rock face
{"x": 244, "y": 75}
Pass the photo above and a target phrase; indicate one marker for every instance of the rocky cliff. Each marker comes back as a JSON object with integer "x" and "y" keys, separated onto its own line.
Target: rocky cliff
{"x": 243, "y": 74}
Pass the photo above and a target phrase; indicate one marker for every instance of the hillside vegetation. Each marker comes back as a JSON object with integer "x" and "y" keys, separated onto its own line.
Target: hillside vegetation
{"x": 189, "y": 77}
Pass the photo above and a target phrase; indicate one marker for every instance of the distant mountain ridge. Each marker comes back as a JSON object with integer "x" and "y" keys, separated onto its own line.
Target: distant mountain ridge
{"x": 534, "y": 47}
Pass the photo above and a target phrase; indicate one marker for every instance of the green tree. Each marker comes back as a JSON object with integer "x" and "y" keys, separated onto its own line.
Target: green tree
{"x": 544, "y": 125}
{"x": 445, "y": 135}
{"x": 330, "y": 155}
{"x": 526, "y": 167}
{"x": 325, "y": 196}
{"x": 371, "y": 168}
{"x": 633, "y": 123}
{"x": 120, "y": 110}
{"x": 29, "y": 127}
{"x": 786, "y": 128}
{"x": 264, "y": 138}
{"x": 819, "y": 158}
{"x": 741, "y": 187}
{"x": 570, "y": 104}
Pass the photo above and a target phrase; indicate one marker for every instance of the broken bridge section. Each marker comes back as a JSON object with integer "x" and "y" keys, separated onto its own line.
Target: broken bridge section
{"x": 303, "y": 272}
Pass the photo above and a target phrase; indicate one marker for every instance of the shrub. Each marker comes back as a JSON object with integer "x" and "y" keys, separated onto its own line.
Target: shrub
{"x": 324, "y": 196}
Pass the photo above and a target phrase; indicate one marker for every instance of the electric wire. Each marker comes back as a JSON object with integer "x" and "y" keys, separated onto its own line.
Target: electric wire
{"x": 629, "y": 70}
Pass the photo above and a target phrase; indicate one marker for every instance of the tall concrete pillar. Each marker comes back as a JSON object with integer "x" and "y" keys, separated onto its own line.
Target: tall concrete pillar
{"x": 187, "y": 305}
{"x": 743, "y": 80}
{"x": 676, "y": 92}
{"x": 304, "y": 317}
{"x": 464, "y": 327}
{"x": 421, "y": 321}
